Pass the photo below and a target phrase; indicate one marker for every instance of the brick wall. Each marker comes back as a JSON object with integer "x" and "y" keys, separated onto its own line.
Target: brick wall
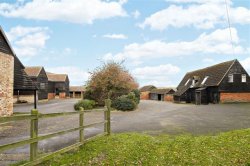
{"x": 168, "y": 98}
{"x": 51, "y": 96}
{"x": 6, "y": 84}
{"x": 62, "y": 95}
{"x": 144, "y": 95}
{"x": 234, "y": 97}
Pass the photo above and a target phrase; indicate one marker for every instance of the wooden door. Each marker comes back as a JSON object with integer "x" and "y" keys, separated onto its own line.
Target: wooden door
{"x": 198, "y": 98}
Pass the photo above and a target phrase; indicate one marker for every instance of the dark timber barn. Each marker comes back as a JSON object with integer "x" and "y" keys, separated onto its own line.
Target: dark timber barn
{"x": 58, "y": 85}
{"x": 224, "y": 82}
{"x": 39, "y": 77}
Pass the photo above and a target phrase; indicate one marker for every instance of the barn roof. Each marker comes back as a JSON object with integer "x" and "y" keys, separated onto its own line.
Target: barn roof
{"x": 33, "y": 71}
{"x": 214, "y": 75}
{"x": 21, "y": 79}
{"x": 161, "y": 90}
{"x": 77, "y": 88}
{"x": 147, "y": 88}
{"x": 57, "y": 77}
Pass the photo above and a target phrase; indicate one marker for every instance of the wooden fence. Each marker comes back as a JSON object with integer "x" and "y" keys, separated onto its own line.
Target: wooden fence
{"x": 35, "y": 138}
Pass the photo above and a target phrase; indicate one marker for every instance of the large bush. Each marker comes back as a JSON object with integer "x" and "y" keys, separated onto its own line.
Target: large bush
{"x": 125, "y": 102}
{"x": 137, "y": 95}
{"x": 86, "y": 104}
{"x": 109, "y": 81}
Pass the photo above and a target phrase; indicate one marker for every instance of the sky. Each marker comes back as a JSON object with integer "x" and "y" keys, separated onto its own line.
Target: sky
{"x": 158, "y": 41}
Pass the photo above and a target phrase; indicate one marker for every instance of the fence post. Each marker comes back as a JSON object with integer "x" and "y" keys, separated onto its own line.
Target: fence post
{"x": 33, "y": 134}
{"x": 81, "y": 124}
{"x": 107, "y": 116}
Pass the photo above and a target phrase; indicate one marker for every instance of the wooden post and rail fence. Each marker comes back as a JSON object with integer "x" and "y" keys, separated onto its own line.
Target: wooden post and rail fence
{"x": 35, "y": 138}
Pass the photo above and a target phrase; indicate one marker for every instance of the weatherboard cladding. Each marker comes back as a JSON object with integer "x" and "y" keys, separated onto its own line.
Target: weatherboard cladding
{"x": 40, "y": 79}
{"x": 4, "y": 47}
{"x": 216, "y": 73}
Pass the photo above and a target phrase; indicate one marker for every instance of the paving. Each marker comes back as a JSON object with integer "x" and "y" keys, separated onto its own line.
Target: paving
{"x": 152, "y": 117}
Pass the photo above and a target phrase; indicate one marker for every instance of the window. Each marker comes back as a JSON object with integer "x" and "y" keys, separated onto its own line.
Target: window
{"x": 205, "y": 79}
{"x": 243, "y": 78}
{"x": 42, "y": 85}
{"x": 230, "y": 78}
{"x": 187, "y": 82}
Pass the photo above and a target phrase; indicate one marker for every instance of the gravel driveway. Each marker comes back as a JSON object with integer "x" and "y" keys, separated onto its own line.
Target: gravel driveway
{"x": 152, "y": 117}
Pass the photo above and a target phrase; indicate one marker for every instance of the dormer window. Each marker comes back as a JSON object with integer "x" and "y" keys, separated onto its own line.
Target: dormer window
{"x": 243, "y": 78}
{"x": 204, "y": 80}
{"x": 187, "y": 82}
{"x": 193, "y": 82}
{"x": 230, "y": 78}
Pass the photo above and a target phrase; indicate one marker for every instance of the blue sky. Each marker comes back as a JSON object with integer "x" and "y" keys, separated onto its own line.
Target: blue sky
{"x": 160, "y": 40}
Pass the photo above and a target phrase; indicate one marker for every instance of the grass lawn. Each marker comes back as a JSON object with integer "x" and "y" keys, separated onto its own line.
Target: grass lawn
{"x": 231, "y": 148}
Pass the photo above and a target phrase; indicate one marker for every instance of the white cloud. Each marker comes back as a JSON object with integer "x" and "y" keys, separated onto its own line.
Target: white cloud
{"x": 157, "y": 75}
{"x": 246, "y": 64}
{"x": 115, "y": 36}
{"x": 204, "y": 14}
{"x": 76, "y": 75}
{"x": 79, "y": 11}
{"x": 136, "y": 14}
{"x": 217, "y": 42}
{"x": 28, "y": 41}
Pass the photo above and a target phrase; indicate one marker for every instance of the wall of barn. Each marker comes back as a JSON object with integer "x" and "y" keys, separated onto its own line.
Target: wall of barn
{"x": 168, "y": 97}
{"x": 62, "y": 95}
{"x": 51, "y": 96}
{"x": 6, "y": 84}
{"x": 42, "y": 83}
{"x": 153, "y": 96}
{"x": 234, "y": 97}
{"x": 237, "y": 85}
{"x": 144, "y": 95}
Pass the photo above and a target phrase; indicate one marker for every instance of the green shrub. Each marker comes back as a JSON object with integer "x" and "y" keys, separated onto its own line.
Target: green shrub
{"x": 132, "y": 97}
{"x": 137, "y": 95}
{"x": 124, "y": 103}
{"x": 86, "y": 104}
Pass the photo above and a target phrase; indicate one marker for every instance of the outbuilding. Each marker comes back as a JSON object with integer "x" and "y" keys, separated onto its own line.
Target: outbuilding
{"x": 223, "y": 82}
{"x": 162, "y": 94}
{"x": 58, "y": 85}
{"x": 77, "y": 91}
{"x": 145, "y": 90}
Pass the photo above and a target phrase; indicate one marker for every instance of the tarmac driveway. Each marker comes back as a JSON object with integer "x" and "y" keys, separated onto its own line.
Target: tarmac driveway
{"x": 152, "y": 117}
{"x": 157, "y": 117}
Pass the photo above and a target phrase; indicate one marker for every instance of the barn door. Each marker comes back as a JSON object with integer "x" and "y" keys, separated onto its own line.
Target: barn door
{"x": 198, "y": 98}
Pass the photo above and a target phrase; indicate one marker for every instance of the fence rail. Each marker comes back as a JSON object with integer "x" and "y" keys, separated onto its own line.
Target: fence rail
{"x": 35, "y": 138}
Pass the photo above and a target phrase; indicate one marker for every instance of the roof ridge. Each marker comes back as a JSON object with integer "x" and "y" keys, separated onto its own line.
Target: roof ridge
{"x": 232, "y": 61}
